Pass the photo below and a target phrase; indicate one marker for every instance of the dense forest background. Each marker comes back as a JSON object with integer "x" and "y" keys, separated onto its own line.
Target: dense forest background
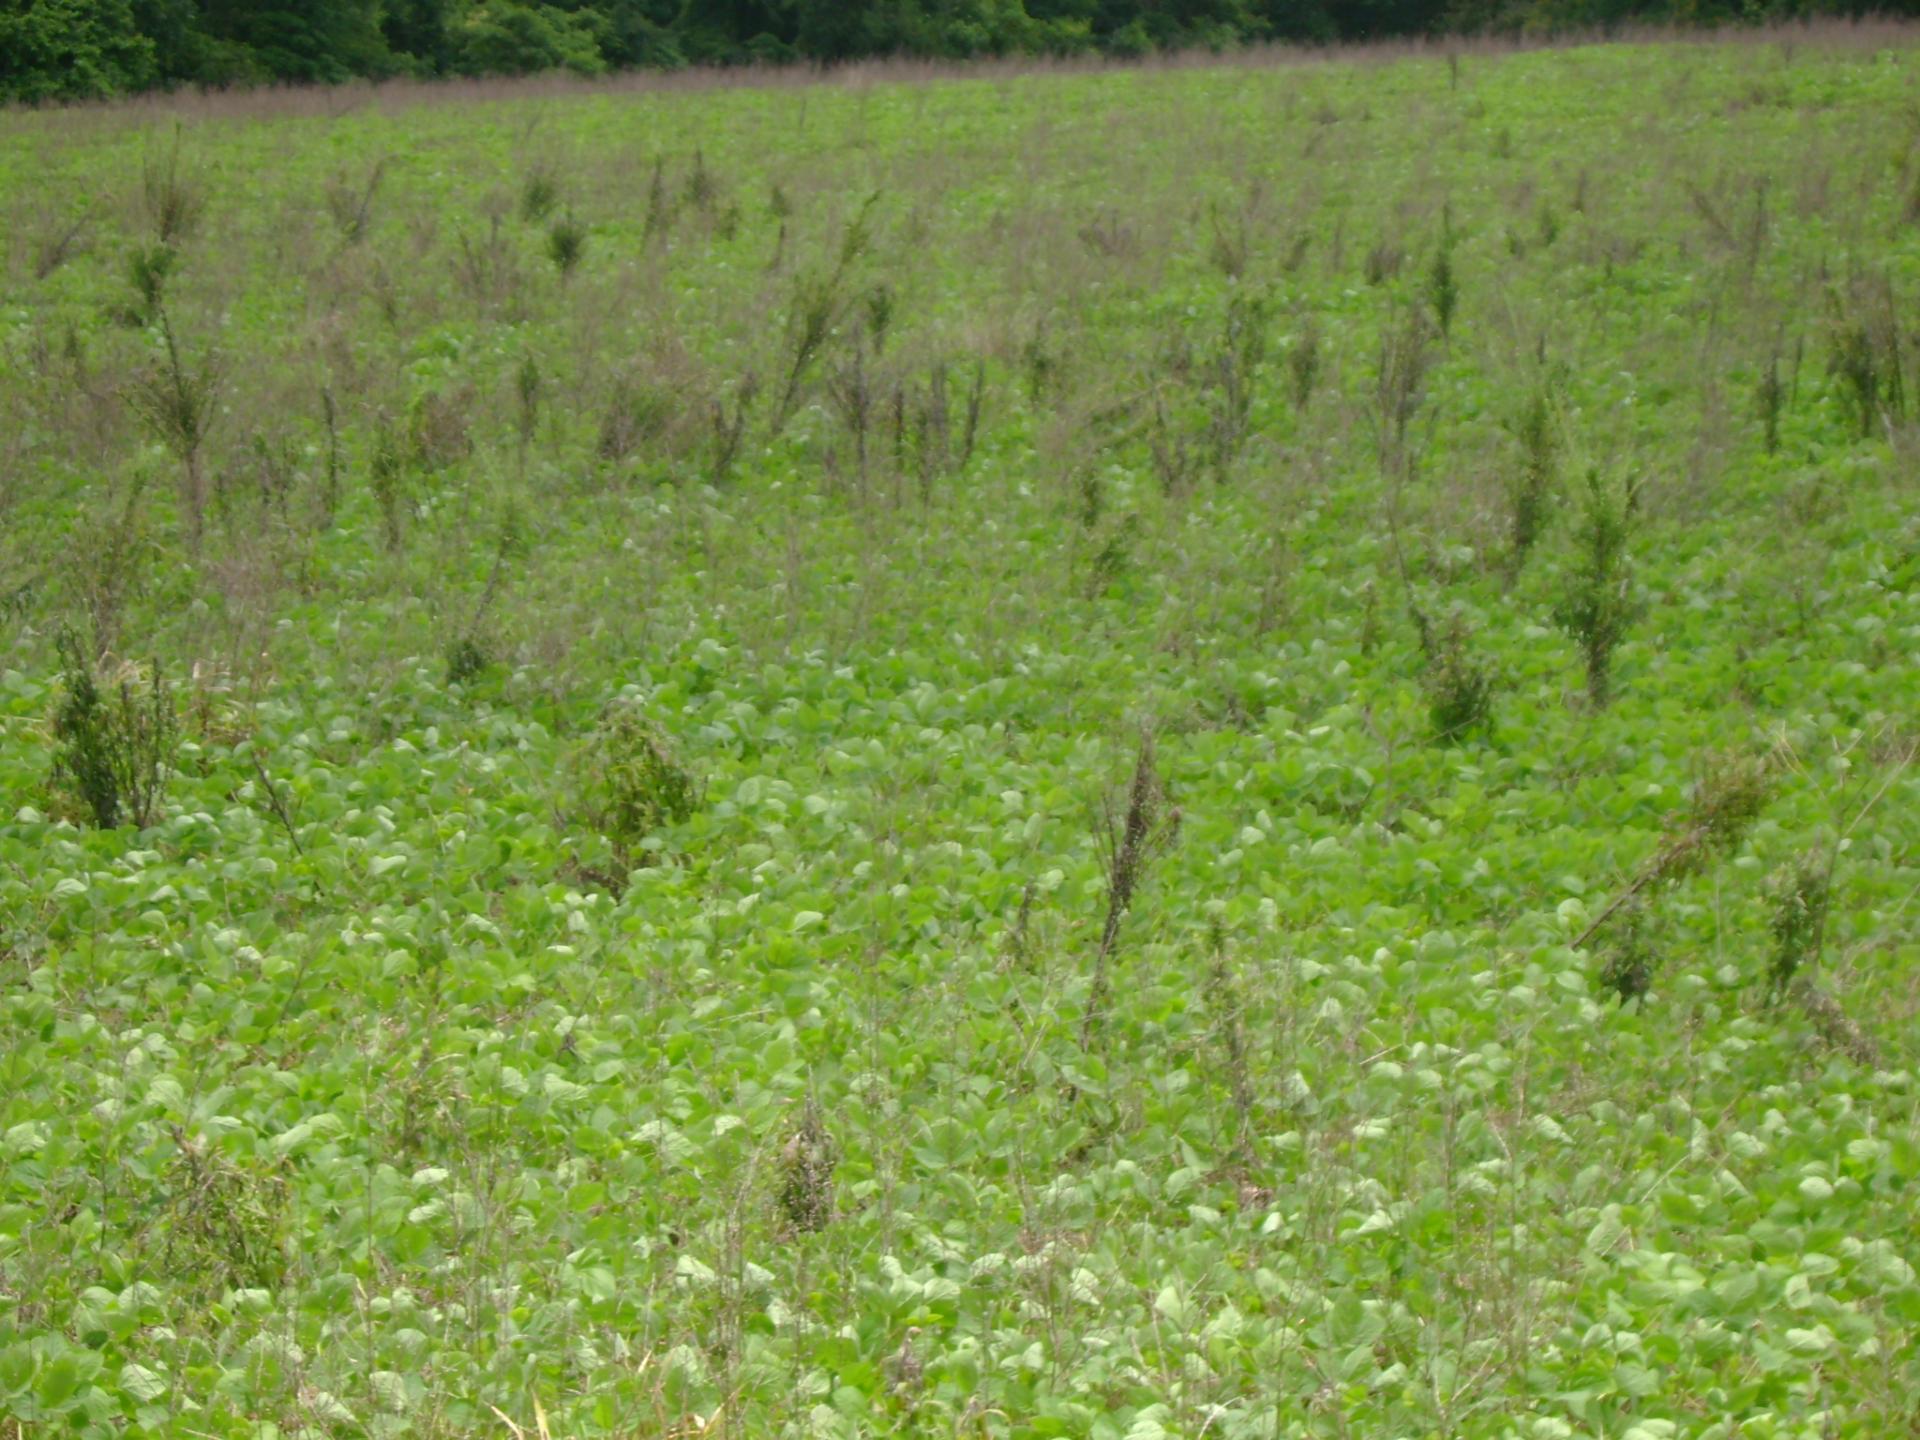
{"x": 81, "y": 49}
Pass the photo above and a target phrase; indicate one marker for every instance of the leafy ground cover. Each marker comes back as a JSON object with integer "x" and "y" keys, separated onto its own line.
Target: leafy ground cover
{"x": 1205, "y": 751}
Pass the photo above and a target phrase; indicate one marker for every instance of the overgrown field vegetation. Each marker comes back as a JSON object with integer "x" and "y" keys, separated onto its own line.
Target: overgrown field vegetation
{"x": 1207, "y": 751}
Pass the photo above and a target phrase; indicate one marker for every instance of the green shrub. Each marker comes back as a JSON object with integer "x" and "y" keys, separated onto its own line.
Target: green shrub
{"x": 1459, "y": 686}
{"x": 539, "y": 194}
{"x": 1770, "y": 397}
{"x": 1799, "y": 922}
{"x": 498, "y": 37}
{"x": 807, "y": 1162}
{"x": 628, "y": 782}
{"x": 113, "y": 748}
{"x": 148, "y": 268}
{"x": 467, "y": 660}
{"x": 566, "y": 244}
{"x": 1443, "y": 288}
{"x": 1627, "y": 971}
{"x": 1599, "y": 603}
{"x": 1530, "y": 492}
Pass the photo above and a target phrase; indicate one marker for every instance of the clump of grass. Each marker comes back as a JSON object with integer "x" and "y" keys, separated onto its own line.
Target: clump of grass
{"x": 351, "y": 206}
{"x": 1383, "y": 262}
{"x": 1460, "y": 686}
{"x": 850, "y": 390}
{"x": 930, "y": 428}
{"x": 1040, "y": 365}
{"x": 638, "y": 413}
{"x": 171, "y": 194}
{"x": 1530, "y": 491}
{"x": 1799, "y": 922}
{"x": 1231, "y": 245}
{"x": 109, "y": 563}
{"x": 881, "y": 304}
{"x": 1599, "y": 604}
{"x": 628, "y": 781}
{"x": 223, "y": 1220}
{"x": 387, "y": 476}
{"x": 1547, "y": 223}
{"x": 114, "y": 747}
{"x": 1303, "y": 364}
{"x": 1225, "y": 1003}
{"x": 468, "y": 655}
{"x": 1090, "y": 497}
{"x": 566, "y": 244}
{"x": 1627, "y": 970}
{"x": 1443, "y": 287}
{"x": 177, "y": 398}
{"x": 467, "y": 660}
{"x": 1136, "y": 826}
{"x": 1406, "y": 354}
{"x": 58, "y": 243}
{"x": 149, "y": 267}
{"x": 1242, "y": 349}
{"x": 1866, "y": 357}
{"x": 808, "y": 1160}
{"x": 1769, "y": 400}
{"x": 818, "y": 299}
{"x": 528, "y": 385}
{"x": 1838, "y": 1029}
{"x": 539, "y": 194}
{"x": 489, "y": 272}
{"x": 728, "y": 424}
{"x": 702, "y": 190}
{"x": 1114, "y": 557}
{"x": 659, "y": 204}
{"x": 330, "y": 475}
{"x": 1732, "y": 790}
{"x": 438, "y": 432}
{"x": 1167, "y": 444}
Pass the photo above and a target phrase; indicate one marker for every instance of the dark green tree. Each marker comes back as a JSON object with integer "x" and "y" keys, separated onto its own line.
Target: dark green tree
{"x": 301, "y": 40}
{"x": 501, "y": 37}
{"x": 72, "y": 50}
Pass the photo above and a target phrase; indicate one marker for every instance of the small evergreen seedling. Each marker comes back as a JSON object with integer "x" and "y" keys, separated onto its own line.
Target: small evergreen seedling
{"x": 467, "y": 661}
{"x": 387, "y": 474}
{"x": 628, "y": 781}
{"x": 1732, "y": 790}
{"x": 351, "y": 206}
{"x": 1383, "y": 262}
{"x": 702, "y": 190}
{"x": 177, "y": 399}
{"x": 113, "y": 749}
{"x": 148, "y": 269}
{"x": 1770, "y": 398}
{"x": 1303, "y": 364}
{"x": 1627, "y": 971}
{"x": 527, "y": 384}
{"x": 1800, "y": 897}
{"x": 1443, "y": 288}
{"x": 539, "y": 194}
{"x": 1459, "y": 686}
{"x": 566, "y": 244}
{"x": 1530, "y": 492}
{"x": 171, "y": 195}
{"x": 880, "y": 305}
{"x": 1599, "y": 604}
{"x": 1136, "y": 825}
{"x": 807, "y": 1162}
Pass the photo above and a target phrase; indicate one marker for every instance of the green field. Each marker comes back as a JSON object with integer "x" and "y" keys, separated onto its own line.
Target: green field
{"x": 1217, "y": 750}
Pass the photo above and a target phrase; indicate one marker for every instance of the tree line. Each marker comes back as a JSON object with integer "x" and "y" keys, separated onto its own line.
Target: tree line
{"x": 53, "y": 50}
